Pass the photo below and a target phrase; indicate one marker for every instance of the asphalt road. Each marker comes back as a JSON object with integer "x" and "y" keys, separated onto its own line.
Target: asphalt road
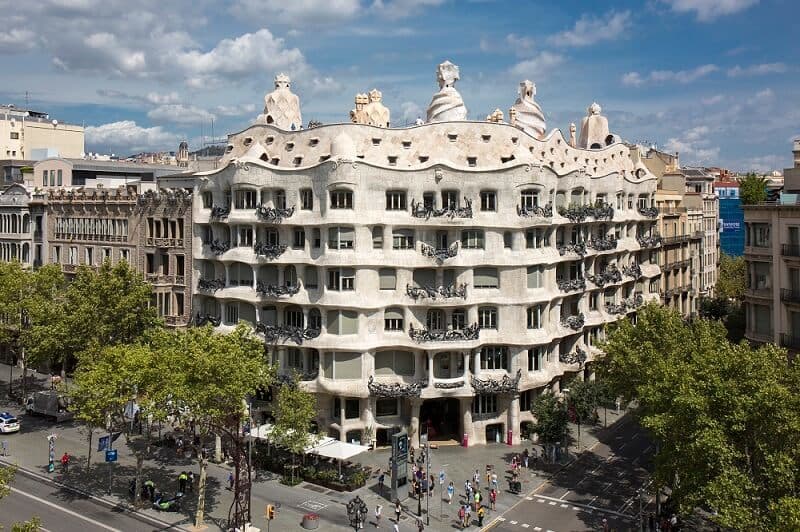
{"x": 62, "y": 510}
{"x": 603, "y": 484}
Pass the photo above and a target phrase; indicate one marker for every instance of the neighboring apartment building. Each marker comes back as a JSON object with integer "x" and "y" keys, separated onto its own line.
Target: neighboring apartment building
{"x": 27, "y": 134}
{"x": 16, "y": 231}
{"x": 731, "y": 217}
{"x": 772, "y": 253}
{"x": 90, "y": 173}
{"x": 441, "y": 275}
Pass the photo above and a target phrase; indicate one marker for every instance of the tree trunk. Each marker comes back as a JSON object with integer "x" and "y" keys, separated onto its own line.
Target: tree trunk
{"x": 137, "y": 494}
{"x": 201, "y": 493}
{"x": 89, "y": 458}
{"x": 24, "y": 374}
{"x": 579, "y": 437}
{"x": 217, "y": 448}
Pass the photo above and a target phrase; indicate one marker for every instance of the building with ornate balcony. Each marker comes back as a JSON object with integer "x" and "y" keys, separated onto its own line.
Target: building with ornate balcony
{"x": 772, "y": 254}
{"x": 436, "y": 277}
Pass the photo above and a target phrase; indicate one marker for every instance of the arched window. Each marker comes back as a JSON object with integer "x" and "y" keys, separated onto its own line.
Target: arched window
{"x": 290, "y": 276}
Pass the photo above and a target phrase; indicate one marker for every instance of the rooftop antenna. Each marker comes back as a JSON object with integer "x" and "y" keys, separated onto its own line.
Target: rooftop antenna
{"x": 27, "y": 99}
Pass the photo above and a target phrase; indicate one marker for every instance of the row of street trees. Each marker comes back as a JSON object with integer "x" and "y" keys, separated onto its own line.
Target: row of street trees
{"x": 102, "y": 326}
{"x": 726, "y": 416}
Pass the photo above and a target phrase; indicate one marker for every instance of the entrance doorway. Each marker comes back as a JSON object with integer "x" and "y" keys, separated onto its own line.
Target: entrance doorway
{"x": 494, "y": 433}
{"x": 442, "y": 418}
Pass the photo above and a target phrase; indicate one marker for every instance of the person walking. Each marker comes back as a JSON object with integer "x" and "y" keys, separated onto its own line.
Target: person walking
{"x": 451, "y": 490}
{"x": 481, "y": 514}
{"x": 398, "y": 509}
{"x": 378, "y": 516}
{"x": 381, "y": 479}
{"x": 183, "y": 478}
{"x": 431, "y": 484}
{"x": 191, "y": 482}
{"x": 478, "y": 498}
{"x": 468, "y": 518}
{"x": 488, "y": 475}
{"x": 462, "y": 516}
{"x": 494, "y": 480}
{"x": 420, "y": 525}
{"x": 476, "y": 479}
{"x": 230, "y": 481}
{"x": 525, "y": 457}
{"x": 395, "y": 527}
{"x": 493, "y": 498}
{"x": 468, "y": 490}
{"x": 65, "y": 463}
{"x": 149, "y": 490}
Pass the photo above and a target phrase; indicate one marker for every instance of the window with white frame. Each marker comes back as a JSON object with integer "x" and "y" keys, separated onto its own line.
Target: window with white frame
{"x": 536, "y": 358}
{"x": 341, "y": 199}
{"x": 245, "y": 199}
{"x": 393, "y": 319}
{"x": 484, "y": 404}
{"x": 535, "y": 238}
{"x": 458, "y": 319}
{"x": 403, "y": 239}
{"x": 377, "y": 237}
{"x": 529, "y": 198}
{"x": 306, "y": 199}
{"x": 434, "y": 320}
{"x": 293, "y": 316}
{"x": 395, "y": 200}
{"x": 536, "y": 317}
{"x": 487, "y": 317}
{"x": 472, "y": 239}
{"x": 341, "y": 279}
{"x": 449, "y": 199}
{"x": 488, "y": 200}
{"x": 341, "y": 237}
{"x": 494, "y": 357}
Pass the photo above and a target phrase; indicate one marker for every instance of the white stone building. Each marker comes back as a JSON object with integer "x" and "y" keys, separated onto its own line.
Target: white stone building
{"x": 439, "y": 275}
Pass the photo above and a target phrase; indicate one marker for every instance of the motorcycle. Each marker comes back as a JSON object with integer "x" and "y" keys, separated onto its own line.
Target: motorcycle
{"x": 168, "y": 505}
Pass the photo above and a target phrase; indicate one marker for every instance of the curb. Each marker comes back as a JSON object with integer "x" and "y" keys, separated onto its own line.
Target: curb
{"x": 147, "y": 519}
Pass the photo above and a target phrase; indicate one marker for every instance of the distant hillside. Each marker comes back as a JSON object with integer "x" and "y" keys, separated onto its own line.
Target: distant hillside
{"x": 217, "y": 150}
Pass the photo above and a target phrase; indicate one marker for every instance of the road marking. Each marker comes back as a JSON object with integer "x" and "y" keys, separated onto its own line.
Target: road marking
{"x": 537, "y": 528}
{"x": 540, "y": 500}
{"x": 562, "y": 497}
{"x": 528, "y": 498}
{"x": 501, "y": 519}
{"x": 552, "y": 503}
{"x": 565, "y": 505}
{"x": 311, "y": 504}
{"x": 623, "y": 445}
{"x": 575, "y": 508}
{"x": 59, "y": 508}
{"x": 525, "y": 525}
{"x": 586, "y": 506}
{"x": 513, "y": 522}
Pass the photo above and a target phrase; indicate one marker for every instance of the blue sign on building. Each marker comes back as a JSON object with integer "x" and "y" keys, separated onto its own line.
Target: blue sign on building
{"x": 731, "y": 221}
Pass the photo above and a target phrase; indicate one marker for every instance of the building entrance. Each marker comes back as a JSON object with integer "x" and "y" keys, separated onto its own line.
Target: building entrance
{"x": 442, "y": 417}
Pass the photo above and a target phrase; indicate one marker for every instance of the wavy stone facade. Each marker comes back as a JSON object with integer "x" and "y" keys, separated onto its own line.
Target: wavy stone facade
{"x": 443, "y": 274}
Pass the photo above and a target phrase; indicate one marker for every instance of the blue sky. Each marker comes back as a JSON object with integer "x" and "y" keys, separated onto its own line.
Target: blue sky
{"x": 716, "y": 80}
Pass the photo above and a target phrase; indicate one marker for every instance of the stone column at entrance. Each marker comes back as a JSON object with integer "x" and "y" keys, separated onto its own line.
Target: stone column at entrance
{"x": 416, "y": 403}
{"x": 466, "y": 413}
{"x": 343, "y": 431}
{"x": 513, "y": 419}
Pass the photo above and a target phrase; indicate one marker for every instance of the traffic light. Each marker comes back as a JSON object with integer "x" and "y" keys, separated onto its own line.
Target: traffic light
{"x": 270, "y": 512}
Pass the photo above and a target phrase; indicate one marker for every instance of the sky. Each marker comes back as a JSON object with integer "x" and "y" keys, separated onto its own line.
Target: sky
{"x": 716, "y": 80}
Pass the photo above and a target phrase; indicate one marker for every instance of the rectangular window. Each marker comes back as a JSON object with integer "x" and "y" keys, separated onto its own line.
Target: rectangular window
{"x": 341, "y": 238}
{"x": 484, "y": 404}
{"x": 306, "y": 199}
{"x": 317, "y": 238}
{"x": 347, "y": 366}
{"x": 245, "y": 234}
{"x": 57, "y": 254}
{"x": 386, "y": 407}
{"x": 487, "y": 317}
{"x": 394, "y": 363}
{"x": 377, "y": 237}
{"x": 486, "y": 278}
{"x": 429, "y": 200}
{"x": 232, "y": 313}
{"x": 73, "y": 255}
{"x": 341, "y": 279}
{"x": 14, "y": 135}
{"x": 245, "y": 199}
{"x": 593, "y": 301}
{"x": 761, "y": 235}
{"x": 494, "y": 357}
{"x": 52, "y": 178}
{"x": 535, "y": 275}
{"x": 341, "y": 199}
{"x": 535, "y": 315}
{"x": 529, "y": 199}
{"x": 488, "y": 200}
{"x": 279, "y": 198}
{"x": 472, "y": 239}
{"x": 60, "y": 178}
{"x": 449, "y": 199}
{"x": 393, "y": 319}
{"x": 208, "y": 200}
{"x": 534, "y": 238}
{"x": 388, "y": 278}
{"x": 507, "y": 240}
{"x": 179, "y": 265}
{"x": 458, "y": 319}
{"x": 299, "y": 240}
{"x": 403, "y": 239}
{"x": 395, "y": 200}
{"x": 342, "y": 322}
{"x": 536, "y": 359}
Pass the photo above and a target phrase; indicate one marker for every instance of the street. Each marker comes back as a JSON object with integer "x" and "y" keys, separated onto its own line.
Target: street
{"x": 602, "y": 484}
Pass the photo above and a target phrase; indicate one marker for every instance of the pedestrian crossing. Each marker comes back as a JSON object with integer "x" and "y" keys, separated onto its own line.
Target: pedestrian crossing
{"x": 541, "y": 499}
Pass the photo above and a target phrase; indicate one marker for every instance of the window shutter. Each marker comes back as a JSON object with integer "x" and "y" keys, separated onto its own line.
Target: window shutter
{"x": 388, "y": 278}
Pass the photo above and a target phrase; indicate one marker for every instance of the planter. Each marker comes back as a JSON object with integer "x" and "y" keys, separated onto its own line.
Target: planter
{"x": 310, "y": 521}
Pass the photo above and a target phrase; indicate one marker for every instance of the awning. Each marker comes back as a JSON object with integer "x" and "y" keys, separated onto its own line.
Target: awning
{"x": 338, "y": 450}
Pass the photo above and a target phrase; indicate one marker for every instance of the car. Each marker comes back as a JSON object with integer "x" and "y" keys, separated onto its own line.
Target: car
{"x": 8, "y": 422}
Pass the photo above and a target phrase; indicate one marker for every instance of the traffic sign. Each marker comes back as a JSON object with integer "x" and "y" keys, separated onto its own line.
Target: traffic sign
{"x": 111, "y": 455}
{"x": 441, "y": 476}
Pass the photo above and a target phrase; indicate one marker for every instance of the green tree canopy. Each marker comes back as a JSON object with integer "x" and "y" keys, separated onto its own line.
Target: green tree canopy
{"x": 295, "y": 413}
{"x": 727, "y": 416}
{"x": 732, "y": 280}
{"x": 752, "y": 189}
{"x": 551, "y": 419}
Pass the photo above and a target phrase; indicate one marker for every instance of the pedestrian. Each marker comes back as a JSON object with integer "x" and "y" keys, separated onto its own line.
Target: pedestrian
{"x": 431, "y": 484}
{"x": 378, "y": 516}
{"x": 230, "y": 481}
{"x": 468, "y": 511}
{"x": 478, "y": 498}
{"x": 191, "y": 482}
{"x": 396, "y": 528}
{"x": 182, "y": 479}
{"x": 493, "y": 498}
{"x": 513, "y": 462}
{"x": 468, "y": 490}
{"x": 494, "y": 480}
{"x": 420, "y": 525}
{"x": 481, "y": 514}
{"x": 149, "y": 490}
{"x": 605, "y": 525}
{"x": 476, "y": 479}
{"x": 488, "y": 474}
{"x": 525, "y": 457}
{"x": 462, "y": 517}
{"x": 398, "y": 509}
{"x": 65, "y": 463}
{"x": 451, "y": 489}
{"x": 381, "y": 479}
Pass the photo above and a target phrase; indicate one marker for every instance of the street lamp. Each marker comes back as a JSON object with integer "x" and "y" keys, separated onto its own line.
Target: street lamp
{"x": 357, "y": 512}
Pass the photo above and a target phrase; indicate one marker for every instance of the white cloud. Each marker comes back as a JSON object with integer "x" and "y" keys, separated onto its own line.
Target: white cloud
{"x": 16, "y": 40}
{"x": 394, "y": 9}
{"x": 537, "y": 66}
{"x": 519, "y": 44}
{"x": 296, "y": 12}
{"x": 484, "y": 44}
{"x": 161, "y": 99}
{"x": 325, "y": 85}
{"x": 708, "y": 10}
{"x": 761, "y": 97}
{"x": 713, "y": 100}
{"x": 127, "y": 137}
{"x": 757, "y": 70}
{"x": 411, "y": 111}
{"x": 636, "y": 79}
{"x": 180, "y": 114}
{"x": 590, "y": 30}
{"x": 151, "y": 98}
{"x": 236, "y": 110}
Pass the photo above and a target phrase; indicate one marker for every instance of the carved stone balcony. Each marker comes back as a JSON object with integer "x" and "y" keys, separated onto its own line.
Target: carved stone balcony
{"x": 273, "y": 215}
{"x": 395, "y": 389}
{"x": 440, "y": 254}
{"x": 471, "y": 332}
{"x": 420, "y": 210}
{"x": 164, "y": 242}
{"x": 579, "y": 213}
{"x": 602, "y": 244}
{"x": 649, "y": 241}
{"x": 493, "y": 386}
{"x": 634, "y": 270}
{"x": 535, "y": 211}
{"x": 210, "y": 285}
{"x": 269, "y": 251}
{"x": 610, "y": 274}
{"x": 573, "y": 322}
{"x": 219, "y": 247}
{"x": 571, "y": 285}
{"x": 201, "y": 319}
{"x": 443, "y": 292}
{"x": 286, "y": 333}
{"x": 575, "y": 357}
{"x": 649, "y": 212}
{"x": 218, "y": 213}
{"x": 274, "y": 290}
{"x": 579, "y": 248}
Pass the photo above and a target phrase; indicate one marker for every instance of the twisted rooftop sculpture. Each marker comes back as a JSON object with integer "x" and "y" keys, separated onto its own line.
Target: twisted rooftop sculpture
{"x": 447, "y": 105}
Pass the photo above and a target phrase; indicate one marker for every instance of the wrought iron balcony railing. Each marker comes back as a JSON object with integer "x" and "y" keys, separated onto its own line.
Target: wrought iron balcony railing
{"x": 535, "y": 211}
{"x": 275, "y": 290}
{"x": 790, "y": 296}
{"x": 579, "y": 248}
{"x": 218, "y": 247}
{"x": 649, "y": 241}
{"x": 272, "y": 214}
{"x": 471, "y": 332}
{"x": 443, "y": 292}
{"x": 420, "y": 210}
{"x": 605, "y": 243}
{"x": 790, "y": 250}
{"x": 573, "y": 357}
{"x": 269, "y": 251}
{"x": 610, "y": 274}
{"x": 219, "y": 213}
{"x": 649, "y": 212}
{"x": 634, "y": 270}
{"x": 579, "y": 213}
{"x": 506, "y": 384}
{"x": 790, "y": 341}
{"x": 574, "y": 322}
{"x": 286, "y": 333}
{"x": 440, "y": 254}
{"x": 201, "y": 319}
{"x": 571, "y": 285}
{"x": 394, "y": 389}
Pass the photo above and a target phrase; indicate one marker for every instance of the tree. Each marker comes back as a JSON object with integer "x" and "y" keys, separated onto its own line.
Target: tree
{"x": 551, "y": 419}
{"x": 726, "y": 416}
{"x": 752, "y": 189}
{"x": 732, "y": 281}
{"x": 295, "y": 413}
{"x": 211, "y": 377}
{"x": 583, "y": 399}
{"x": 6, "y": 477}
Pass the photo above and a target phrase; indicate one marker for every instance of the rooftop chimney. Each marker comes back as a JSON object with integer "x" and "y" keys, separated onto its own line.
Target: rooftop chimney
{"x": 796, "y": 152}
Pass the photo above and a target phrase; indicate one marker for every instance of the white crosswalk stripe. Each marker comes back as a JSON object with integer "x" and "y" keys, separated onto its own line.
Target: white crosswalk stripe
{"x": 528, "y": 498}
{"x": 537, "y": 528}
{"x": 525, "y": 525}
{"x": 513, "y": 522}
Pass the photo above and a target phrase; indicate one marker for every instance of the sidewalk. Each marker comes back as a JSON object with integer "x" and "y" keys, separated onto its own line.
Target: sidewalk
{"x": 28, "y": 449}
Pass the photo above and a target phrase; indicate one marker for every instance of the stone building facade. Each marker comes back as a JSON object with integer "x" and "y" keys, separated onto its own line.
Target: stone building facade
{"x": 433, "y": 278}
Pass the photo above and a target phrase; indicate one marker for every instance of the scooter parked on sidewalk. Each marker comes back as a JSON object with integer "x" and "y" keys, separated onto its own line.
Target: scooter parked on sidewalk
{"x": 168, "y": 505}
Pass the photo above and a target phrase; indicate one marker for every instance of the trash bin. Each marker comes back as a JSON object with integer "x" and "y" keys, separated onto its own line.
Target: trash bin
{"x": 465, "y": 440}
{"x": 509, "y": 437}
{"x": 310, "y": 521}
